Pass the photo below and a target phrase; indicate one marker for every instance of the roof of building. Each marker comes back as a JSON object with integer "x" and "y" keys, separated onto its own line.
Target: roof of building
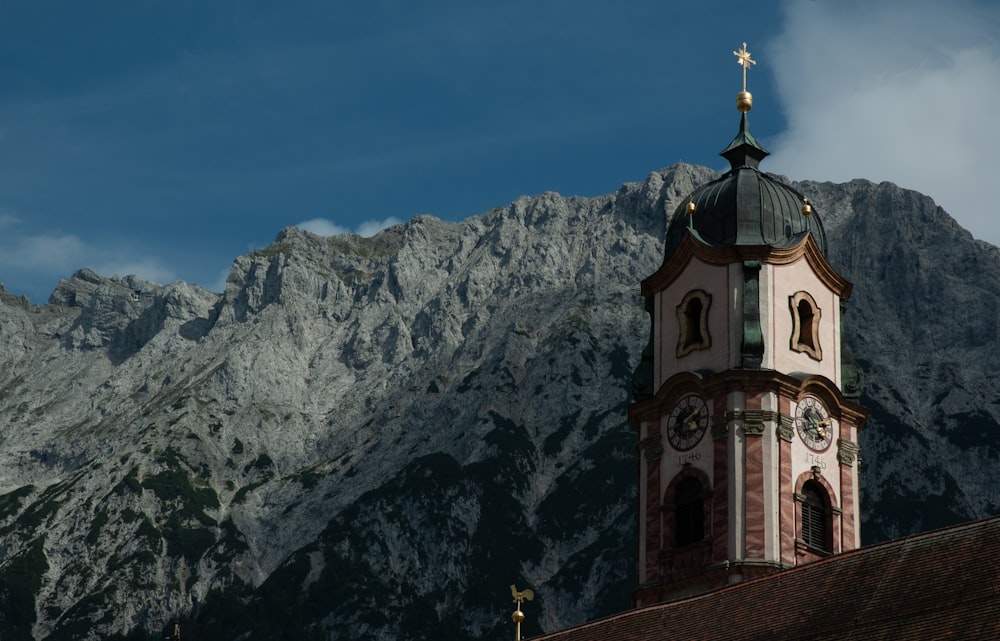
{"x": 939, "y": 585}
{"x": 745, "y": 206}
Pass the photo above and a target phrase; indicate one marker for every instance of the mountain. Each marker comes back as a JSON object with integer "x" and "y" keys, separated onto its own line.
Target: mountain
{"x": 373, "y": 438}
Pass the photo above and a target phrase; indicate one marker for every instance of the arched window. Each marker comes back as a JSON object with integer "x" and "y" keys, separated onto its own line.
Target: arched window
{"x": 805, "y": 325}
{"x": 692, "y": 316}
{"x": 815, "y": 532}
{"x": 692, "y": 320}
{"x": 689, "y": 512}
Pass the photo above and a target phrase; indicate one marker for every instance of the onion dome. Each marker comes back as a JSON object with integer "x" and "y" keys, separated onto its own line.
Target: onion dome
{"x": 745, "y": 206}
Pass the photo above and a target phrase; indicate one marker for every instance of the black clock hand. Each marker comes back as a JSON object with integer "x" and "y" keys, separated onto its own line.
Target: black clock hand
{"x": 689, "y": 420}
{"x": 817, "y": 425}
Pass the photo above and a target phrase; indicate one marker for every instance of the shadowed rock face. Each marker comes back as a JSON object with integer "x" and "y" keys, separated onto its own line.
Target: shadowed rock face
{"x": 373, "y": 438}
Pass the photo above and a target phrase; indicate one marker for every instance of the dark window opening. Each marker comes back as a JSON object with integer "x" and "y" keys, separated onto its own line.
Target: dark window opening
{"x": 806, "y": 325}
{"x": 692, "y": 318}
{"x": 814, "y": 518}
{"x": 689, "y": 512}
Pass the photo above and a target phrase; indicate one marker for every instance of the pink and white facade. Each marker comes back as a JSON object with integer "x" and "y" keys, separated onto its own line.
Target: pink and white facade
{"x": 747, "y": 443}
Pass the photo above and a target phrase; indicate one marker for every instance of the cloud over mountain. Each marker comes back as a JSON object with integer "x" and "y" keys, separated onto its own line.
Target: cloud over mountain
{"x": 897, "y": 91}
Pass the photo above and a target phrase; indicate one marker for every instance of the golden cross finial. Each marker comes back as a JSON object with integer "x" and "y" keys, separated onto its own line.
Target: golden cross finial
{"x": 743, "y": 58}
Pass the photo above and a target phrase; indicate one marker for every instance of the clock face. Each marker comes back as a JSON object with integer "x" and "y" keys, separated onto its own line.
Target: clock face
{"x": 813, "y": 423}
{"x": 687, "y": 422}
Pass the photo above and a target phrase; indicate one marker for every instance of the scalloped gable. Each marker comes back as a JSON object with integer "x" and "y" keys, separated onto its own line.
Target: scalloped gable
{"x": 672, "y": 268}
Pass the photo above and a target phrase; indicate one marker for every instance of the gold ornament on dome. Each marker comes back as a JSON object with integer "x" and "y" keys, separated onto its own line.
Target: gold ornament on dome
{"x": 744, "y": 99}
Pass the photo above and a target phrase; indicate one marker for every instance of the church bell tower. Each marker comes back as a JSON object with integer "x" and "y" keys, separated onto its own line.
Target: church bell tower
{"x": 745, "y": 401}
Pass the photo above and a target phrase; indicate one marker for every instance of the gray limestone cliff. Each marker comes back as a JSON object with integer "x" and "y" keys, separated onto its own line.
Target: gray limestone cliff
{"x": 372, "y": 438}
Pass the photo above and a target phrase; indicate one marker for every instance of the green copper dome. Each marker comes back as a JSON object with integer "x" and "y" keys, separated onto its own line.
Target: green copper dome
{"x": 745, "y": 206}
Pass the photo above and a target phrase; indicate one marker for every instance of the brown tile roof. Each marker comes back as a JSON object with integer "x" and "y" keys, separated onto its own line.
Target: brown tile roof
{"x": 939, "y": 585}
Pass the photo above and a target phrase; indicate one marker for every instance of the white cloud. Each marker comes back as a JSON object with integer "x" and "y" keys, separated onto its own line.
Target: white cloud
{"x": 372, "y": 227}
{"x": 48, "y": 257}
{"x": 898, "y": 91}
{"x": 323, "y": 227}
{"x": 53, "y": 253}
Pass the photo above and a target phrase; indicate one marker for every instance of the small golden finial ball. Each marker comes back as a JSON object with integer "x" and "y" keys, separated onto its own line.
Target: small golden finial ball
{"x": 806, "y": 207}
{"x": 744, "y": 101}
{"x": 691, "y": 207}
{"x": 517, "y": 617}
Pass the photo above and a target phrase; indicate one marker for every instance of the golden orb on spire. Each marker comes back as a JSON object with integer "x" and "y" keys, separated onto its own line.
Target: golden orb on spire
{"x": 744, "y": 99}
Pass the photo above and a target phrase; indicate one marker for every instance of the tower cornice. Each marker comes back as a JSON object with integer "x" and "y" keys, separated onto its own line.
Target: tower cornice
{"x": 747, "y": 380}
{"x": 691, "y": 247}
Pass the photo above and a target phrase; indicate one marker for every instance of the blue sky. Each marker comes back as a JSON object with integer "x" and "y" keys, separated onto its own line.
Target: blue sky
{"x": 163, "y": 139}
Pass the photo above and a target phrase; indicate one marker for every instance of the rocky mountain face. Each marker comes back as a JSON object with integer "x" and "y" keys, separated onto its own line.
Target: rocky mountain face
{"x": 374, "y": 438}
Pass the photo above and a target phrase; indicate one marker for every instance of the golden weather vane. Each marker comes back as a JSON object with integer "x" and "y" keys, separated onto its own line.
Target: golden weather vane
{"x": 518, "y": 616}
{"x": 744, "y": 99}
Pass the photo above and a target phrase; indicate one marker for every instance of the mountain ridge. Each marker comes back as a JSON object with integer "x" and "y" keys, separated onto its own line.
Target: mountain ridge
{"x": 272, "y": 459}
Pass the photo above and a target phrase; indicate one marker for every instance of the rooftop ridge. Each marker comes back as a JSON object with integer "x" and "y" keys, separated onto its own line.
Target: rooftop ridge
{"x": 906, "y": 546}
